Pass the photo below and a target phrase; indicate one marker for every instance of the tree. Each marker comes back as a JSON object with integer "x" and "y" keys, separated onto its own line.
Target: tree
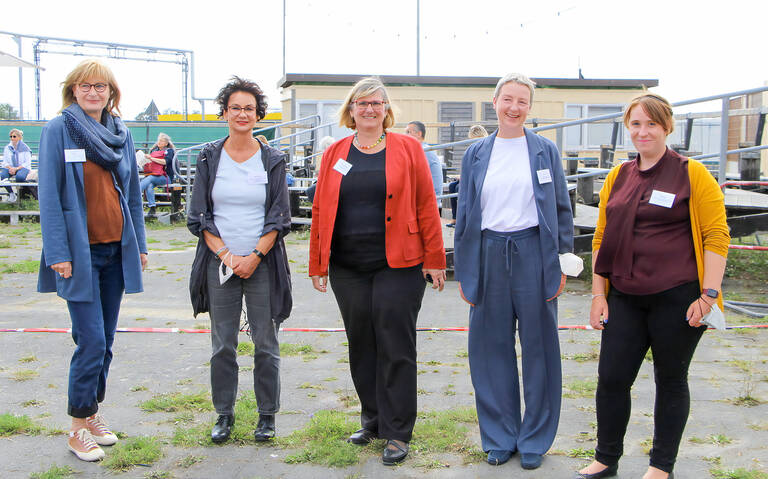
{"x": 7, "y": 112}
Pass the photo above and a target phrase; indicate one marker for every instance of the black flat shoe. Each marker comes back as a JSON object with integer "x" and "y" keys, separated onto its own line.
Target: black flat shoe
{"x": 265, "y": 429}
{"x": 396, "y": 453}
{"x": 609, "y": 471}
{"x": 362, "y": 437}
{"x": 222, "y": 429}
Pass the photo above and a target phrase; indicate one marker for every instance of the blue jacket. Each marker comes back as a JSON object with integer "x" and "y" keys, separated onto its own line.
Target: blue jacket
{"x": 63, "y": 217}
{"x": 552, "y": 204}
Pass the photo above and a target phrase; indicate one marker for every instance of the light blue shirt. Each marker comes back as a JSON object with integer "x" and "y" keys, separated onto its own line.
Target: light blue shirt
{"x": 239, "y": 198}
{"x": 436, "y": 170}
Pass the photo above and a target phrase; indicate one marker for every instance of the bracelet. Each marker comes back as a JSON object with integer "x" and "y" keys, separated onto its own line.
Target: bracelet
{"x": 597, "y": 296}
{"x": 259, "y": 254}
{"x": 221, "y": 250}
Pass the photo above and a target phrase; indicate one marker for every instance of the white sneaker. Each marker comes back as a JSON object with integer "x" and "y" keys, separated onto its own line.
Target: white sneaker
{"x": 12, "y": 197}
{"x": 99, "y": 429}
{"x": 81, "y": 443}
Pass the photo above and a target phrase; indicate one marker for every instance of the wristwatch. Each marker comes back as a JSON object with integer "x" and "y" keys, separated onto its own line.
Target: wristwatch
{"x": 712, "y": 293}
{"x": 261, "y": 257}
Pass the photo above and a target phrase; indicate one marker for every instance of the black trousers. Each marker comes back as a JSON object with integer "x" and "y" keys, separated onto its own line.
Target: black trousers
{"x": 379, "y": 309}
{"x": 636, "y": 323}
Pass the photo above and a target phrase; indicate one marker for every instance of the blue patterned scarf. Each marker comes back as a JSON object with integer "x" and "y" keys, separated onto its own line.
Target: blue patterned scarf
{"x": 103, "y": 142}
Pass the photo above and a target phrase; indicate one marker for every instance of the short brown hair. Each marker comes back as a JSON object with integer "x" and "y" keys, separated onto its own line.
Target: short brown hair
{"x": 237, "y": 84}
{"x": 365, "y": 87}
{"x": 91, "y": 69}
{"x": 656, "y": 107}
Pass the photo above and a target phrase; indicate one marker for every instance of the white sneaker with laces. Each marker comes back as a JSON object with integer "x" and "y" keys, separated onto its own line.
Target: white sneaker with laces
{"x": 81, "y": 443}
{"x": 99, "y": 429}
{"x": 12, "y": 197}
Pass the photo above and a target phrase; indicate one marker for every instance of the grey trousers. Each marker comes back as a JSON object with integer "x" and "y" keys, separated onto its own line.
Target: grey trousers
{"x": 226, "y": 304}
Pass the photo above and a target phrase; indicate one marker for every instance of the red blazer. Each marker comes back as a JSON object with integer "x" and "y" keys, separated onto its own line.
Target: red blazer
{"x": 413, "y": 229}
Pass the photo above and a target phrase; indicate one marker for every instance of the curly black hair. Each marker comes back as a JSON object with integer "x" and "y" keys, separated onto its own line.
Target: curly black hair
{"x": 240, "y": 84}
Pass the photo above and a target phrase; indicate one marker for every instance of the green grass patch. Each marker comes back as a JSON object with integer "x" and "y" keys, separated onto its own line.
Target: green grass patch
{"x": 747, "y": 265}
{"x": 591, "y": 355}
{"x": 715, "y": 439}
{"x": 323, "y": 441}
{"x": 581, "y": 453}
{"x": 26, "y": 266}
{"x": 159, "y": 475}
{"x": 462, "y": 353}
{"x": 27, "y": 204}
{"x": 5, "y": 244}
{"x": 133, "y": 451}
{"x": 11, "y": 424}
{"x": 246, "y": 419}
{"x": 28, "y": 359}
{"x": 189, "y": 461}
{"x": 24, "y": 375}
{"x": 54, "y": 472}
{"x": 580, "y": 389}
{"x": 32, "y": 403}
{"x": 245, "y": 348}
{"x": 738, "y": 474}
{"x": 297, "y": 349}
{"x": 175, "y": 402}
{"x": 747, "y": 401}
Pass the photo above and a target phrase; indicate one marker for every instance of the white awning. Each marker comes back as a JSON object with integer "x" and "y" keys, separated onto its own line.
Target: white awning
{"x": 7, "y": 60}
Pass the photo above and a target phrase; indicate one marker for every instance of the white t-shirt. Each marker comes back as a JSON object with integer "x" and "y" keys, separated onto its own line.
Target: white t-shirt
{"x": 239, "y": 201}
{"x": 507, "y": 201}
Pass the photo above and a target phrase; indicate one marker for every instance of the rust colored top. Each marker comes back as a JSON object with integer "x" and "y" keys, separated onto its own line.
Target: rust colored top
{"x": 105, "y": 218}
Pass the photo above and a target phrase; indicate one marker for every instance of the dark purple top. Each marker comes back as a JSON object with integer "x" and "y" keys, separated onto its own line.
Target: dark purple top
{"x": 647, "y": 244}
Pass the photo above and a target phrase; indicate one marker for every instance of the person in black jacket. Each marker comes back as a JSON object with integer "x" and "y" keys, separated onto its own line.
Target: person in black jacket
{"x": 240, "y": 211}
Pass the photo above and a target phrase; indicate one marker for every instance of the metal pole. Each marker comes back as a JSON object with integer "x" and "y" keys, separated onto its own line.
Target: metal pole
{"x": 724, "y": 120}
{"x": 37, "y": 79}
{"x": 418, "y": 37}
{"x": 283, "y": 38}
{"x": 21, "y": 84}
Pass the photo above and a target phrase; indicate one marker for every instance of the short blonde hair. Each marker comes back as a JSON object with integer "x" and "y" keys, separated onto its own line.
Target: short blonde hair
{"x": 17, "y": 131}
{"x": 477, "y": 131}
{"x": 91, "y": 69}
{"x": 365, "y": 87}
{"x": 656, "y": 107}
{"x": 163, "y": 136}
{"x": 515, "y": 78}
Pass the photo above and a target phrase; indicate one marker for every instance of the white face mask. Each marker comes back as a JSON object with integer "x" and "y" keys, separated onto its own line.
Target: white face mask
{"x": 225, "y": 272}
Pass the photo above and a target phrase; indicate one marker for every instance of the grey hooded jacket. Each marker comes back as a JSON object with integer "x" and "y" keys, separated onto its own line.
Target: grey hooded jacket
{"x": 277, "y": 217}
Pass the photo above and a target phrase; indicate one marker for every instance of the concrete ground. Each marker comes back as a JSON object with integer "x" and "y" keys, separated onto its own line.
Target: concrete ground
{"x": 726, "y": 365}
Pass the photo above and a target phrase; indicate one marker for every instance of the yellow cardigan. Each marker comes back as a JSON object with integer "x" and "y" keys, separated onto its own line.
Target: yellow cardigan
{"x": 707, "y": 212}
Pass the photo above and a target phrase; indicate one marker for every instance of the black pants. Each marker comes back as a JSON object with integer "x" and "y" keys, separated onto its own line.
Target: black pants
{"x": 635, "y": 324}
{"x": 453, "y": 187}
{"x": 379, "y": 309}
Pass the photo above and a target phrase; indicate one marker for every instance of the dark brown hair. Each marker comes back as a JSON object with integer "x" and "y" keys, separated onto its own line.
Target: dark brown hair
{"x": 240, "y": 84}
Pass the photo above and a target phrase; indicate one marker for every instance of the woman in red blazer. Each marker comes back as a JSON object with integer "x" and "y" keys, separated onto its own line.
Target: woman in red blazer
{"x": 376, "y": 232}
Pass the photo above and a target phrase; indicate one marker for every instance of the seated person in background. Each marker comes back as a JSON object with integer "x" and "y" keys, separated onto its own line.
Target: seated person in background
{"x": 17, "y": 161}
{"x": 158, "y": 170}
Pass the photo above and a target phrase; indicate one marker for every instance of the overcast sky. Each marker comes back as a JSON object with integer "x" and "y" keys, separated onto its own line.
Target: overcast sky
{"x": 693, "y": 49}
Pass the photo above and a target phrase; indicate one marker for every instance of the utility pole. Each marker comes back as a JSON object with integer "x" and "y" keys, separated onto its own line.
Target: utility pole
{"x": 418, "y": 37}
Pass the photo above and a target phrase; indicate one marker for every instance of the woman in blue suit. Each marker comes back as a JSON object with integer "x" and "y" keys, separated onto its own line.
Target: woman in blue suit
{"x": 93, "y": 236}
{"x": 514, "y": 218}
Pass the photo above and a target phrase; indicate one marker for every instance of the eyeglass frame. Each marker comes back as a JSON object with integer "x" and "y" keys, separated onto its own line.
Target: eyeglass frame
{"x": 384, "y": 105}
{"x": 237, "y": 109}
{"x": 95, "y": 87}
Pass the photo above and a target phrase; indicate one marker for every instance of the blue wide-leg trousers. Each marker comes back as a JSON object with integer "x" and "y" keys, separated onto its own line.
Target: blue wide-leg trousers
{"x": 512, "y": 298}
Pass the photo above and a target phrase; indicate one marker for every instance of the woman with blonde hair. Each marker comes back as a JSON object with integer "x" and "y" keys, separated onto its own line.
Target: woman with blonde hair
{"x": 17, "y": 160}
{"x": 93, "y": 236}
{"x": 159, "y": 169}
{"x": 376, "y": 234}
{"x": 662, "y": 242}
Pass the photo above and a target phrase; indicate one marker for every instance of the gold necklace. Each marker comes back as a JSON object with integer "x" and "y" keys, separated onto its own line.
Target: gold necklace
{"x": 381, "y": 138}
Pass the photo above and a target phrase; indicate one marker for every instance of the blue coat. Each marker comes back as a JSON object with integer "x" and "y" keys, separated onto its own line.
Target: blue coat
{"x": 552, "y": 204}
{"x": 63, "y": 217}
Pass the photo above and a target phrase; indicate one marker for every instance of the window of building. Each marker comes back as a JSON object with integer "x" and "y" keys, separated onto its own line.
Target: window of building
{"x": 592, "y": 135}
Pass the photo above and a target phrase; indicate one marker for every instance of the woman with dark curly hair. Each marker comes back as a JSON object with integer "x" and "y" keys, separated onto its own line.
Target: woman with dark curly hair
{"x": 240, "y": 213}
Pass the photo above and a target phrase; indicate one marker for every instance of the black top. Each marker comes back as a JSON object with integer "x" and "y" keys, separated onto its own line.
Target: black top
{"x": 358, "y": 234}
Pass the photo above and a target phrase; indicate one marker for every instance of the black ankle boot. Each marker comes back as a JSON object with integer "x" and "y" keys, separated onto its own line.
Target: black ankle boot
{"x": 265, "y": 429}
{"x": 223, "y": 427}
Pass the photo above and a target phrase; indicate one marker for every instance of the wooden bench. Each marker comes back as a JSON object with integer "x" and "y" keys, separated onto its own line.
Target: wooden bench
{"x": 15, "y": 215}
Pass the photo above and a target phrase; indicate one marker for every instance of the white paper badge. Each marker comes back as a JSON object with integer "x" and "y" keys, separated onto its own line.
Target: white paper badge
{"x": 259, "y": 178}
{"x": 74, "y": 156}
{"x": 225, "y": 272}
{"x": 660, "y": 198}
{"x": 342, "y": 166}
{"x": 544, "y": 176}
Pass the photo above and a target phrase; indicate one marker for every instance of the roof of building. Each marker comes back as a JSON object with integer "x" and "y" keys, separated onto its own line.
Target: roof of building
{"x": 411, "y": 80}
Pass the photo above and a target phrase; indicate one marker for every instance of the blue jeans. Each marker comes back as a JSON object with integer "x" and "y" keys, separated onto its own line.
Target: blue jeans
{"x": 93, "y": 330}
{"x": 21, "y": 175}
{"x": 148, "y": 184}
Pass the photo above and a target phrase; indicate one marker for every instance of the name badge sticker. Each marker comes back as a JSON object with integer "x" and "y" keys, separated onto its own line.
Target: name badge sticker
{"x": 660, "y": 198}
{"x": 544, "y": 176}
{"x": 259, "y": 178}
{"x": 74, "y": 156}
{"x": 342, "y": 166}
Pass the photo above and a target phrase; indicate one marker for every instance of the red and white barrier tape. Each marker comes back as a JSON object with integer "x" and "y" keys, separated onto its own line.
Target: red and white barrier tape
{"x": 300, "y": 330}
{"x": 744, "y": 246}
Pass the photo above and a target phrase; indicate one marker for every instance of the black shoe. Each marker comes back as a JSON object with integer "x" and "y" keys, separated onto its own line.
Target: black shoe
{"x": 394, "y": 454}
{"x": 265, "y": 429}
{"x": 609, "y": 471}
{"x": 223, "y": 427}
{"x": 362, "y": 437}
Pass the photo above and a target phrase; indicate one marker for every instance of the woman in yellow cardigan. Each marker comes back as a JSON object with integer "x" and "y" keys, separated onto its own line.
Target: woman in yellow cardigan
{"x": 662, "y": 241}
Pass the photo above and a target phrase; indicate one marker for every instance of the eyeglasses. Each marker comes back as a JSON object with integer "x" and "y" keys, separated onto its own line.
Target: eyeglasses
{"x": 14, "y": 136}
{"x": 86, "y": 87}
{"x": 249, "y": 110}
{"x": 376, "y": 105}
